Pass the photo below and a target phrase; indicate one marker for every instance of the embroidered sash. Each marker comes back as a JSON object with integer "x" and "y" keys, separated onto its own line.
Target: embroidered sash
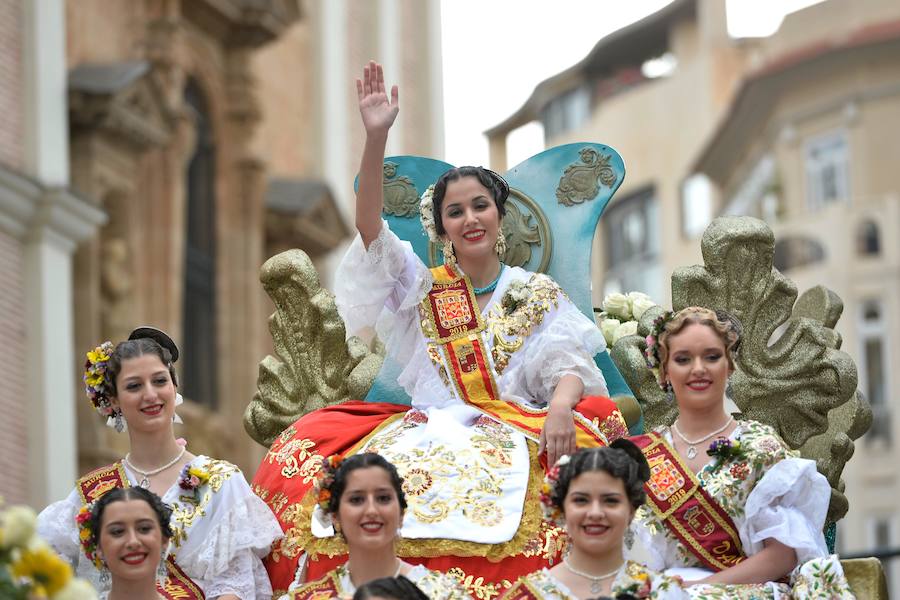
{"x": 326, "y": 588}
{"x": 676, "y": 497}
{"x": 453, "y": 322}
{"x": 178, "y": 586}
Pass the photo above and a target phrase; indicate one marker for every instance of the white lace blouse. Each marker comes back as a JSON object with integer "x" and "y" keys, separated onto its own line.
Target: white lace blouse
{"x": 383, "y": 286}
{"x": 220, "y": 539}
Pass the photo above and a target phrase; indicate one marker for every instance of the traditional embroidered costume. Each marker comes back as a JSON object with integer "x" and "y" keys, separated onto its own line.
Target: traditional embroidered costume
{"x": 633, "y": 578}
{"x": 221, "y": 530}
{"x": 337, "y": 584}
{"x": 480, "y": 382}
{"x": 755, "y": 488}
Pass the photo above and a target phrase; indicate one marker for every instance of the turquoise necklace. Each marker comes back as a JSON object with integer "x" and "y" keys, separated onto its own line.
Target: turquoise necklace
{"x": 491, "y": 286}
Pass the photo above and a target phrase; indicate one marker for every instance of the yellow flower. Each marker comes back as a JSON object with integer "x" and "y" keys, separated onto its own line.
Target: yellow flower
{"x": 96, "y": 355}
{"x": 77, "y": 589}
{"x": 47, "y": 571}
{"x": 199, "y": 473}
{"x": 94, "y": 379}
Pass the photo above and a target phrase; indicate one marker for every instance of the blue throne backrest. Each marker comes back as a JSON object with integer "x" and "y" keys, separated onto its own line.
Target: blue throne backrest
{"x": 554, "y": 195}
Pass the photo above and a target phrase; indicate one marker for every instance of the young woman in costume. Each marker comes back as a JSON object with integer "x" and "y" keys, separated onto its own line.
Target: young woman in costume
{"x": 755, "y": 510}
{"x": 128, "y": 531}
{"x": 595, "y": 494}
{"x": 363, "y": 497}
{"x": 498, "y": 362}
{"x": 220, "y": 529}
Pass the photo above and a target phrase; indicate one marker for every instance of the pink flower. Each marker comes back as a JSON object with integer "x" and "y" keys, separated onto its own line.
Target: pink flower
{"x": 195, "y": 481}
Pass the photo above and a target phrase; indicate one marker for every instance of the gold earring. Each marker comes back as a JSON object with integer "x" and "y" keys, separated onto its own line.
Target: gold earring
{"x": 500, "y": 244}
{"x": 449, "y": 254}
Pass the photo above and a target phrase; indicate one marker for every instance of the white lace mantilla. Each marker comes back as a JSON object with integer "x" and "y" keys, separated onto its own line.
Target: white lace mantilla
{"x": 223, "y": 542}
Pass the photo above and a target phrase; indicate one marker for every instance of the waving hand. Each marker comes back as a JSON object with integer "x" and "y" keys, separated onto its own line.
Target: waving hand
{"x": 377, "y": 111}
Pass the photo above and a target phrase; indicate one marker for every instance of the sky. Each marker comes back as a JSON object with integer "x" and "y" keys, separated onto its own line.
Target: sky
{"x": 495, "y": 52}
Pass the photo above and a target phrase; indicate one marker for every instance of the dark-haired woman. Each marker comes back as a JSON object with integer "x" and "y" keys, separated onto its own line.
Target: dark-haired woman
{"x": 731, "y": 508}
{"x": 595, "y": 494}
{"x": 498, "y": 363}
{"x": 389, "y": 588}
{"x": 363, "y": 497}
{"x": 129, "y": 531}
{"x": 220, "y": 529}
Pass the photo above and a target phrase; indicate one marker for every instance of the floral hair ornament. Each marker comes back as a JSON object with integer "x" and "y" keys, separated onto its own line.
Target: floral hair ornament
{"x": 552, "y": 512}
{"x": 322, "y": 486}
{"x": 426, "y": 214}
{"x": 96, "y": 385}
{"x": 651, "y": 354}
{"x": 86, "y": 536}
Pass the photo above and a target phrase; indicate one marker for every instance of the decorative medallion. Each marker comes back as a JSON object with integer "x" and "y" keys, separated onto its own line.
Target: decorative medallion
{"x": 400, "y": 196}
{"x": 580, "y": 182}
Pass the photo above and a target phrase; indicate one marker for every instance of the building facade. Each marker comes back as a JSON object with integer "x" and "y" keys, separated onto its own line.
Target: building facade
{"x": 801, "y": 129}
{"x": 197, "y": 138}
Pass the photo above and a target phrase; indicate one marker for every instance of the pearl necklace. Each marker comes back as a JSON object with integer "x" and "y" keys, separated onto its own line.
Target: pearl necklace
{"x": 491, "y": 286}
{"x": 146, "y": 475}
{"x": 595, "y": 580}
{"x": 692, "y": 451}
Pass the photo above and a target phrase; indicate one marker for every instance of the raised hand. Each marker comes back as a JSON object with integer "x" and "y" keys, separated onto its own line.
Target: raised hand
{"x": 377, "y": 111}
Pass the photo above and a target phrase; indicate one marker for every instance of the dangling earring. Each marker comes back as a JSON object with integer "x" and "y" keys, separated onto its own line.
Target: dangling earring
{"x": 119, "y": 422}
{"x": 629, "y": 537}
{"x": 449, "y": 254}
{"x": 105, "y": 578}
{"x": 729, "y": 389}
{"x": 500, "y": 244}
{"x": 670, "y": 392}
{"x": 162, "y": 572}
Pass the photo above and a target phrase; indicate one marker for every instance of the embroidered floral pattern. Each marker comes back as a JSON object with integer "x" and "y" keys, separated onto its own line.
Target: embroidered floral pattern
{"x": 416, "y": 482}
{"x": 193, "y": 506}
{"x": 523, "y": 308}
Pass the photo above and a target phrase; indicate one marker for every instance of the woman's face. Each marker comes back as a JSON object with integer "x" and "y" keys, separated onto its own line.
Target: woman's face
{"x": 697, "y": 367}
{"x": 369, "y": 512}
{"x": 146, "y": 393}
{"x": 131, "y": 541}
{"x": 597, "y": 513}
{"x": 470, "y": 218}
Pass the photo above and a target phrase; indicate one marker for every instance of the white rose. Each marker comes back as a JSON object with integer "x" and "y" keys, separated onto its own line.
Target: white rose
{"x": 76, "y": 589}
{"x": 627, "y": 328}
{"x": 640, "y": 305}
{"x": 608, "y": 327}
{"x": 618, "y": 306}
{"x": 18, "y": 523}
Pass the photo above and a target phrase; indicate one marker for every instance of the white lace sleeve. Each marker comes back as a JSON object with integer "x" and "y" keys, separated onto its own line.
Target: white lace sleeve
{"x": 382, "y": 286}
{"x": 56, "y": 526}
{"x": 564, "y": 344}
{"x": 224, "y": 550}
{"x": 788, "y": 504}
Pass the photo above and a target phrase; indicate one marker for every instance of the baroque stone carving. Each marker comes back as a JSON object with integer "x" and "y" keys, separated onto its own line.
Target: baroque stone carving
{"x": 801, "y": 383}
{"x": 314, "y": 366}
{"x": 520, "y": 232}
{"x": 400, "y": 196}
{"x": 580, "y": 182}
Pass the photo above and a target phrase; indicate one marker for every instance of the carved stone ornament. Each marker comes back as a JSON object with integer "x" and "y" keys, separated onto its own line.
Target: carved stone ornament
{"x": 581, "y": 181}
{"x": 314, "y": 366}
{"x": 400, "y": 196}
{"x": 801, "y": 383}
{"x": 526, "y": 230}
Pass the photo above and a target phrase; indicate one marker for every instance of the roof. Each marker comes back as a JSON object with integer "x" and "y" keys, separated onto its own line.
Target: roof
{"x": 761, "y": 90}
{"x": 637, "y": 41}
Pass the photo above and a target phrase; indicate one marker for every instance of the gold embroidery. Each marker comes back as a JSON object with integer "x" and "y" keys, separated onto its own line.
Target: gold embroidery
{"x": 300, "y": 538}
{"x": 510, "y": 328}
{"x": 476, "y": 586}
{"x": 298, "y": 457}
{"x": 189, "y": 508}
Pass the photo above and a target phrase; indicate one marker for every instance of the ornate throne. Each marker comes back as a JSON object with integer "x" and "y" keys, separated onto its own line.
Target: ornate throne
{"x": 790, "y": 374}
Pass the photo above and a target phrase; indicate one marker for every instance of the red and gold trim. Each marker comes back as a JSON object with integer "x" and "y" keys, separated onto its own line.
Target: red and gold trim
{"x": 456, "y": 325}
{"x": 676, "y": 497}
{"x": 321, "y": 589}
{"x": 91, "y": 487}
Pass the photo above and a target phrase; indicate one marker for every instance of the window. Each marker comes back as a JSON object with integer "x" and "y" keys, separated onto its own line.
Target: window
{"x": 631, "y": 238}
{"x": 881, "y": 538}
{"x": 868, "y": 239}
{"x": 794, "y": 252}
{"x": 873, "y": 369}
{"x": 566, "y": 112}
{"x": 827, "y": 170}
{"x": 199, "y": 310}
{"x": 696, "y": 205}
